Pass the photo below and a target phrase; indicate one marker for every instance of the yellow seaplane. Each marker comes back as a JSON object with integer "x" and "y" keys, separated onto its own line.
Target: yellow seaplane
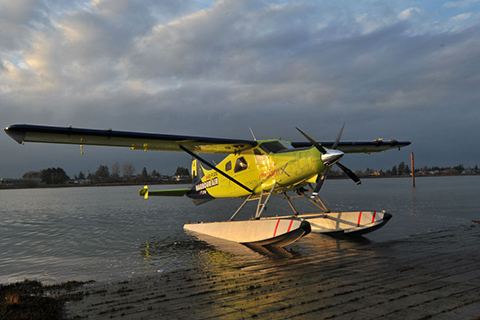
{"x": 252, "y": 170}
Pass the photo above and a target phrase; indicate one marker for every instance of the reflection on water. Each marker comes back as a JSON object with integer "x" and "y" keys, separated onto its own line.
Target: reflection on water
{"x": 414, "y": 202}
{"x": 111, "y": 233}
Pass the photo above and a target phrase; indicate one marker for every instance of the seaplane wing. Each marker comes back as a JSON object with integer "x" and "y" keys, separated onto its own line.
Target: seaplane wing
{"x": 166, "y": 142}
{"x": 133, "y": 140}
{"x": 359, "y": 146}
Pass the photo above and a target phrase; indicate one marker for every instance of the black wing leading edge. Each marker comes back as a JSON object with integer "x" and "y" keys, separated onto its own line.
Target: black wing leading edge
{"x": 134, "y": 140}
{"x": 166, "y": 142}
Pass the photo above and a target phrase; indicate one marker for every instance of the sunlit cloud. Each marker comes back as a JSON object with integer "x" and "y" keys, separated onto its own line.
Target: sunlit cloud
{"x": 461, "y": 4}
{"x": 463, "y": 16}
{"x": 230, "y": 64}
{"x": 409, "y": 13}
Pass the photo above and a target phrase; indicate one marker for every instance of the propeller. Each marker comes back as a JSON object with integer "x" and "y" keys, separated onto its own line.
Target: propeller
{"x": 329, "y": 158}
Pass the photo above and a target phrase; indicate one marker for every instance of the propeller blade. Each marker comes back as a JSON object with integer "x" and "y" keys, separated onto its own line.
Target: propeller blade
{"x": 315, "y": 143}
{"x": 320, "y": 182}
{"x": 335, "y": 145}
{"x": 349, "y": 173}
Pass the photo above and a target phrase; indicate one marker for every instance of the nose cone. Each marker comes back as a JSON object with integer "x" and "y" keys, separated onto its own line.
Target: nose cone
{"x": 331, "y": 157}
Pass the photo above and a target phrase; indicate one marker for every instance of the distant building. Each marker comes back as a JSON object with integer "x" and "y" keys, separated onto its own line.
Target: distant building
{"x": 81, "y": 181}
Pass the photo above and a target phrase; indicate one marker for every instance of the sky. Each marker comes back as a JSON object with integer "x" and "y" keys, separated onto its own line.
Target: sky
{"x": 404, "y": 70}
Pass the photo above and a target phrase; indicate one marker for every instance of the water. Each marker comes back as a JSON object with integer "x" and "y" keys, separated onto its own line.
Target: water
{"x": 110, "y": 233}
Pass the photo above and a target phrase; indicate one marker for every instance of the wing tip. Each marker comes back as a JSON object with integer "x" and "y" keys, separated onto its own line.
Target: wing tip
{"x": 16, "y": 135}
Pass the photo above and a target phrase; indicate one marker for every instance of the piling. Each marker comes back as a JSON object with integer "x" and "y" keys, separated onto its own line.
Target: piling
{"x": 413, "y": 171}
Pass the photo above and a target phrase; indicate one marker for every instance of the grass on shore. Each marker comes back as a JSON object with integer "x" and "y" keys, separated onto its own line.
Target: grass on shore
{"x": 32, "y": 300}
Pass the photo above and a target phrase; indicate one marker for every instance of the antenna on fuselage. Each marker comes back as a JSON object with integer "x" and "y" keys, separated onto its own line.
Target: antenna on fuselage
{"x": 251, "y": 131}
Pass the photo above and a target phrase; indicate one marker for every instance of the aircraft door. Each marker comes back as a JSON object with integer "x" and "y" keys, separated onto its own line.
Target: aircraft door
{"x": 260, "y": 159}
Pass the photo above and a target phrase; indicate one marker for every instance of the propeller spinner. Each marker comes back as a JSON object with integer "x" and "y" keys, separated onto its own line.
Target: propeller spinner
{"x": 329, "y": 158}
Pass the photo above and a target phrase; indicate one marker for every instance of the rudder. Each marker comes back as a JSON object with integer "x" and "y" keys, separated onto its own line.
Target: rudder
{"x": 197, "y": 172}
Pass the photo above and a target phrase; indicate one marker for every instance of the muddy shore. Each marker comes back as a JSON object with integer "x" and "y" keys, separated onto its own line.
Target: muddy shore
{"x": 429, "y": 276}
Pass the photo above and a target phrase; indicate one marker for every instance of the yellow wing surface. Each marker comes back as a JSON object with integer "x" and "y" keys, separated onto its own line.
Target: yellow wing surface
{"x": 166, "y": 142}
{"x": 134, "y": 140}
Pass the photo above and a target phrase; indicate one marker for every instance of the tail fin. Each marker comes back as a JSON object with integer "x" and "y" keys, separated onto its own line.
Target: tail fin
{"x": 197, "y": 171}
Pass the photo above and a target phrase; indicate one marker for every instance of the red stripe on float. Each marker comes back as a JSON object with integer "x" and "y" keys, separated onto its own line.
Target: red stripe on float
{"x": 276, "y": 227}
{"x": 374, "y": 213}
{"x": 290, "y": 225}
{"x": 359, "y": 218}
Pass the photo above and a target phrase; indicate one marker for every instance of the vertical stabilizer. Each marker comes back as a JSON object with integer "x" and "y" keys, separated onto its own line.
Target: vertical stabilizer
{"x": 197, "y": 172}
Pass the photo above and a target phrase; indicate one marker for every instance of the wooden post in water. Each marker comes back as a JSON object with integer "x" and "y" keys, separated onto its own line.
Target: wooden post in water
{"x": 413, "y": 171}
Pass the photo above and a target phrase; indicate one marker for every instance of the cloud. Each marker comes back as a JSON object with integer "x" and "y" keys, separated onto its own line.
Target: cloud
{"x": 217, "y": 68}
{"x": 463, "y": 16}
{"x": 460, "y": 4}
{"x": 410, "y": 12}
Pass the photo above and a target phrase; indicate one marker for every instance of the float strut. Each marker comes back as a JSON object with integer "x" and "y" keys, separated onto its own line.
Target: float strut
{"x": 290, "y": 203}
{"x": 241, "y": 206}
{"x": 321, "y": 206}
{"x": 261, "y": 206}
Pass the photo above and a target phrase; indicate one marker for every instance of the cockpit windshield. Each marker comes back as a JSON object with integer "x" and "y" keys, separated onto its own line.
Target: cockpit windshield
{"x": 273, "y": 147}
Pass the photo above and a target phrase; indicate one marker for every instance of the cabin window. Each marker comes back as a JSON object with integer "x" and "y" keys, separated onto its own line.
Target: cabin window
{"x": 240, "y": 165}
{"x": 228, "y": 166}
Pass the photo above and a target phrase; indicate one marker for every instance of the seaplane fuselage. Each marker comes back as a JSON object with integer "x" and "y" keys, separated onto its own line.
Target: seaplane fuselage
{"x": 272, "y": 163}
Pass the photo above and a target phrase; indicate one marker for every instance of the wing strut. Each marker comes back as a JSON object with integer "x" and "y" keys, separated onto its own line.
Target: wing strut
{"x": 205, "y": 162}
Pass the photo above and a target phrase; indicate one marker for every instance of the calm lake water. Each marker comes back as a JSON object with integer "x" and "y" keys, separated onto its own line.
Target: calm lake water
{"x": 111, "y": 233}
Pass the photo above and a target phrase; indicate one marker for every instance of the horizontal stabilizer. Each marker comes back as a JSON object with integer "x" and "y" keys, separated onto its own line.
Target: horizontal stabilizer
{"x": 169, "y": 193}
{"x": 163, "y": 193}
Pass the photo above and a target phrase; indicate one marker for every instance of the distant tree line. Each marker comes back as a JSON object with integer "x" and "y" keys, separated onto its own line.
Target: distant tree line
{"x": 403, "y": 169}
{"x": 125, "y": 173}
{"x": 48, "y": 176}
{"x": 117, "y": 174}
{"x": 460, "y": 169}
{"x": 397, "y": 170}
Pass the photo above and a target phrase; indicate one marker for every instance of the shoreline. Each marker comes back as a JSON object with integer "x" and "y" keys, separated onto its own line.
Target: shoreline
{"x": 112, "y": 184}
{"x": 118, "y": 184}
{"x": 423, "y": 276}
